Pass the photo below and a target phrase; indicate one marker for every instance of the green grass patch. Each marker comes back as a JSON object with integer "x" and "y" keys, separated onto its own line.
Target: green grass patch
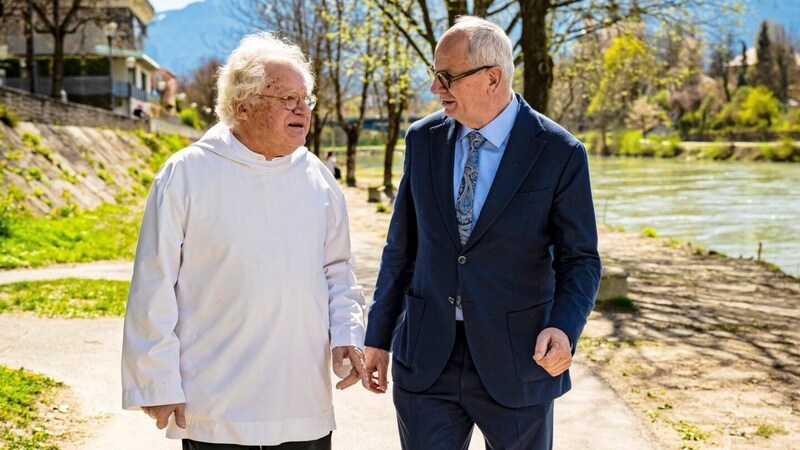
{"x": 22, "y": 394}
{"x": 690, "y": 432}
{"x": 768, "y": 430}
{"x": 649, "y": 232}
{"x": 108, "y": 232}
{"x": 67, "y": 297}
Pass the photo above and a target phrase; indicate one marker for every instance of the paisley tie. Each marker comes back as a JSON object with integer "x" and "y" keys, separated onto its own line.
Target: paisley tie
{"x": 466, "y": 190}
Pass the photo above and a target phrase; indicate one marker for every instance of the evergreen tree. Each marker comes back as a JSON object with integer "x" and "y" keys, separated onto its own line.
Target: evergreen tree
{"x": 741, "y": 77}
{"x": 765, "y": 69}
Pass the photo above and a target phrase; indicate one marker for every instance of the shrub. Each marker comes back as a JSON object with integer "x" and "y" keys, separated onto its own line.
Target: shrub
{"x": 7, "y": 116}
{"x": 631, "y": 143}
{"x": 667, "y": 147}
{"x": 190, "y": 117}
{"x": 786, "y": 150}
{"x": 31, "y": 140}
{"x": 35, "y": 173}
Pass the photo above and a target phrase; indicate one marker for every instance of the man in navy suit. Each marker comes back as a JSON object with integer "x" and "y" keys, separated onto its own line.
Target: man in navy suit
{"x": 490, "y": 268}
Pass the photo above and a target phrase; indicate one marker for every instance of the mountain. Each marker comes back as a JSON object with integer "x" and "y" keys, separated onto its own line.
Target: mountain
{"x": 181, "y": 39}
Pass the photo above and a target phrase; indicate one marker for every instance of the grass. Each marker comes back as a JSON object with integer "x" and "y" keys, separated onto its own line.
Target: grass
{"x": 768, "y": 430}
{"x": 67, "y": 297}
{"x": 21, "y": 396}
{"x": 690, "y": 432}
{"x": 108, "y": 232}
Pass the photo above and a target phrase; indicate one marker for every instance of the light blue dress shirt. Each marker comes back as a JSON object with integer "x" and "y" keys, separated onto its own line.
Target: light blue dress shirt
{"x": 491, "y": 152}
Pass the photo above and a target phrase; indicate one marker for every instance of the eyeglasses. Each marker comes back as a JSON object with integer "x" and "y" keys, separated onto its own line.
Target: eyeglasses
{"x": 446, "y": 79}
{"x": 291, "y": 101}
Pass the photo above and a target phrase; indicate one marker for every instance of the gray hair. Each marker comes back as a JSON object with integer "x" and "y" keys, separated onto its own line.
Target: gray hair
{"x": 489, "y": 45}
{"x": 246, "y": 71}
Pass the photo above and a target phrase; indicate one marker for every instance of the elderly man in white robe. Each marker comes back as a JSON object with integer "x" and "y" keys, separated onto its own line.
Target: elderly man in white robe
{"x": 243, "y": 292}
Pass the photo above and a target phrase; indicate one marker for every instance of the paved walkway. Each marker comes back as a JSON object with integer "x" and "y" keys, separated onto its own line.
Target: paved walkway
{"x": 85, "y": 355}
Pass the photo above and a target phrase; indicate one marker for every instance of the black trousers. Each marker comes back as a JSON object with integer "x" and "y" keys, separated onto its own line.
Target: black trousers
{"x": 323, "y": 443}
{"x": 442, "y": 417}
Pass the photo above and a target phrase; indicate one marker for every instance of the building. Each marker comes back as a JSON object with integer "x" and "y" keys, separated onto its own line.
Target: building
{"x": 104, "y": 63}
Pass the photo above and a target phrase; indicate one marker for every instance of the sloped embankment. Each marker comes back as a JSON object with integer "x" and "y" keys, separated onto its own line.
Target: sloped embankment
{"x": 48, "y": 168}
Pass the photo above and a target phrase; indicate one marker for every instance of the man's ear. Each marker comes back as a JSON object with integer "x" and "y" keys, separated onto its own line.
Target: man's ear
{"x": 240, "y": 110}
{"x": 495, "y": 77}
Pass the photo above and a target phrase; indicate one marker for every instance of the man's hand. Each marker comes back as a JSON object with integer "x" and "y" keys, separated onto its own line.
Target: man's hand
{"x": 162, "y": 412}
{"x": 356, "y": 357}
{"x": 377, "y": 361}
{"x": 552, "y": 351}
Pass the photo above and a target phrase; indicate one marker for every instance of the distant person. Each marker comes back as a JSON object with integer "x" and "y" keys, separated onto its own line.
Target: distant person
{"x": 243, "y": 291}
{"x": 490, "y": 267}
{"x": 330, "y": 163}
{"x": 139, "y": 112}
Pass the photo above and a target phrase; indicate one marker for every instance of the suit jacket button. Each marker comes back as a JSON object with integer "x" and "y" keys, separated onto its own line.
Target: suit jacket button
{"x": 462, "y": 259}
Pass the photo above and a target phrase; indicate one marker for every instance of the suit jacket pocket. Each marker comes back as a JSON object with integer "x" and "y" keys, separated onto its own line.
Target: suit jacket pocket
{"x": 523, "y": 329}
{"x": 405, "y": 342}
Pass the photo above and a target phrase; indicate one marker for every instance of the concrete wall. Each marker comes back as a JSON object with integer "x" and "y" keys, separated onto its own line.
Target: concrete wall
{"x": 43, "y": 109}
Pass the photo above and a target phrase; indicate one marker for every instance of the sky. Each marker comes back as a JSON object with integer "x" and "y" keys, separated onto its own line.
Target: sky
{"x": 164, "y": 5}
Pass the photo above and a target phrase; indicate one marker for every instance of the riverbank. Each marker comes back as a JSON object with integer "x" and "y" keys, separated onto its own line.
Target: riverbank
{"x": 708, "y": 352}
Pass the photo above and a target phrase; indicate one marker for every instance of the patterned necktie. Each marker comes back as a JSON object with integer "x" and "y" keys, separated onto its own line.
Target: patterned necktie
{"x": 466, "y": 190}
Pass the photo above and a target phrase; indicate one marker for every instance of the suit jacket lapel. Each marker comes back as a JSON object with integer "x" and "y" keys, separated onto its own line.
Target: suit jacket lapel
{"x": 443, "y": 142}
{"x": 521, "y": 153}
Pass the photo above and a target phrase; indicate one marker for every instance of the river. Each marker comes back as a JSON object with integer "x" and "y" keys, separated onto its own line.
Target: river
{"x": 729, "y": 207}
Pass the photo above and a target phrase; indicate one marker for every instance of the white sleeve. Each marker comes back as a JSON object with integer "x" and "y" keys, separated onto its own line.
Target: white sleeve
{"x": 150, "y": 348}
{"x": 345, "y": 297}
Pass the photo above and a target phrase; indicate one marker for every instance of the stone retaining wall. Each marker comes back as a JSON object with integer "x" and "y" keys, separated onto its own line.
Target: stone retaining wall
{"x": 47, "y": 110}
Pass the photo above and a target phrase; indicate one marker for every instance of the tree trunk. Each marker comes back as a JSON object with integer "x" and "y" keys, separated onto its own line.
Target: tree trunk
{"x": 58, "y": 64}
{"x": 538, "y": 74}
{"x": 456, "y": 8}
{"x": 394, "y": 117}
{"x": 352, "y": 142}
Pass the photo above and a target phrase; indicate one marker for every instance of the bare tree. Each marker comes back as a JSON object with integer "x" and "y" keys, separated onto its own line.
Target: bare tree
{"x": 547, "y": 25}
{"x": 201, "y": 88}
{"x": 350, "y": 47}
{"x": 58, "y": 19}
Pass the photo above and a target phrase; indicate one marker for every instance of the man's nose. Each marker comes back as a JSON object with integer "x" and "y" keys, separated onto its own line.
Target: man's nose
{"x": 437, "y": 87}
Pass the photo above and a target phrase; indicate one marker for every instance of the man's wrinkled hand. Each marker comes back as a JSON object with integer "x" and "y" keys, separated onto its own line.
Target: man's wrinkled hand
{"x": 161, "y": 414}
{"x": 553, "y": 352}
{"x": 356, "y": 357}
{"x": 377, "y": 370}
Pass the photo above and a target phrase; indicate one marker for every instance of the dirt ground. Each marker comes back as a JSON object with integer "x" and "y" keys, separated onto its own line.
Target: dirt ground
{"x": 711, "y": 355}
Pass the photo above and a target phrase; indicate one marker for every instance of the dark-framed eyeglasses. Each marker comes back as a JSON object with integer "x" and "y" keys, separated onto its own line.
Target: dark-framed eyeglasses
{"x": 291, "y": 101}
{"x": 446, "y": 79}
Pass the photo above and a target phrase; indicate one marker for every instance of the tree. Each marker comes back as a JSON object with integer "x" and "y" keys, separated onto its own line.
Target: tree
{"x": 302, "y": 22}
{"x": 741, "y": 75}
{"x": 759, "y": 109}
{"x": 396, "y": 66}
{"x": 59, "y": 20}
{"x": 765, "y": 69}
{"x": 350, "y": 45}
{"x": 201, "y": 88}
{"x": 546, "y": 25}
{"x": 721, "y": 55}
{"x": 627, "y": 67}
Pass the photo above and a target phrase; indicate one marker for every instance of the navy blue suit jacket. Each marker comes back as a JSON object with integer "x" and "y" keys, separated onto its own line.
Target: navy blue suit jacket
{"x": 530, "y": 263}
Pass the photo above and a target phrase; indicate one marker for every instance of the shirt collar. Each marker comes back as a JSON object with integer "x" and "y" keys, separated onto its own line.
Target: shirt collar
{"x": 499, "y": 128}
